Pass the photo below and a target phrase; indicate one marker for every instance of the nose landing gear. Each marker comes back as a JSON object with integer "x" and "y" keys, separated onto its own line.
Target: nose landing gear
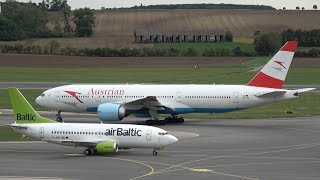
{"x": 59, "y": 117}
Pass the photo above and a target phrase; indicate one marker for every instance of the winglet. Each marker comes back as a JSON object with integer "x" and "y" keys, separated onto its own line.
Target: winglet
{"x": 23, "y": 111}
{"x": 274, "y": 73}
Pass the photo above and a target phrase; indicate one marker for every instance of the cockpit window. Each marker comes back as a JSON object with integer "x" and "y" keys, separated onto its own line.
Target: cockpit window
{"x": 163, "y": 133}
{"x": 42, "y": 95}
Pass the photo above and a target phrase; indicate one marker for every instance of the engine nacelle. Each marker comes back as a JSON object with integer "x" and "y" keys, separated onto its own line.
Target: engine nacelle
{"x": 107, "y": 147}
{"x": 111, "y": 112}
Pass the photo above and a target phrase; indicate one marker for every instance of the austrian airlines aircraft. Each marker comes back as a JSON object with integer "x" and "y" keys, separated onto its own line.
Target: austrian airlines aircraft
{"x": 113, "y": 102}
{"x": 98, "y": 138}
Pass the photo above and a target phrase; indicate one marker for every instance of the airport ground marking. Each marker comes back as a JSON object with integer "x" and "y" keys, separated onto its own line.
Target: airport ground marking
{"x": 301, "y": 129}
{"x": 304, "y": 146}
{"x": 262, "y": 163}
{"x": 243, "y": 149}
{"x": 137, "y": 162}
{"x": 232, "y": 175}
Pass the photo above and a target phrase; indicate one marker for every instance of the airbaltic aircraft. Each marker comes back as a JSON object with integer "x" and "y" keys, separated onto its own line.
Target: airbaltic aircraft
{"x": 98, "y": 138}
{"x": 114, "y": 102}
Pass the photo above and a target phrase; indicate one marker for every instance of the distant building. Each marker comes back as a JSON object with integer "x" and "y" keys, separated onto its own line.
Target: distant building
{"x": 143, "y": 36}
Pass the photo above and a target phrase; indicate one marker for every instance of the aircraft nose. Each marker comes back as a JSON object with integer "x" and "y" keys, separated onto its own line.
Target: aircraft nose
{"x": 173, "y": 139}
{"x": 38, "y": 100}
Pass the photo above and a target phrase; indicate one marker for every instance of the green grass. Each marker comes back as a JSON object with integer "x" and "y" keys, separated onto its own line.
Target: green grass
{"x": 200, "y": 47}
{"x": 29, "y": 94}
{"x": 232, "y": 75}
{"x": 6, "y": 134}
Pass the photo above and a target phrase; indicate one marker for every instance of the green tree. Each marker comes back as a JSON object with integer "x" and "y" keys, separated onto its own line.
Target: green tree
{"x": 267, "y": 43}
{"x": 229, "y": 36}
{"x": 28, "y": 16}
{"x": 84, "y": 19}
{"x": 10, "y": 31}
{"x": 66, "y": 10}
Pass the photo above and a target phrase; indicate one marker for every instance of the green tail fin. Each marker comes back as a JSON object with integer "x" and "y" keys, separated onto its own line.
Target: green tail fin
{"x": 23, "y": 111}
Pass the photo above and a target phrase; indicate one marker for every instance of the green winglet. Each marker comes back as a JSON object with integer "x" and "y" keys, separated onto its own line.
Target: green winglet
{"x": 23, "y": 111}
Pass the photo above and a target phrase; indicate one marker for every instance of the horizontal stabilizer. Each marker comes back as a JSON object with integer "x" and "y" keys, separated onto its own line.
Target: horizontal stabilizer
{"x": 19, "y": 126}
{"x": 305, "y": 90}
{"x": 270, "y": 94}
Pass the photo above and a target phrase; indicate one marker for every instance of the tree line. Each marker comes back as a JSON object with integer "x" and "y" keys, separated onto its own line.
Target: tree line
{"x": 54, "y": 48}
{"x": 306, "y": 38}
{"x": 203, "y": 6}
{"x": 30, "y": 20}
{"x": 270, "y": 43}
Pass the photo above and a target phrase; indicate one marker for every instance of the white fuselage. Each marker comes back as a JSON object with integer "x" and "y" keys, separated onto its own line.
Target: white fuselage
{"x": 178, "y": 98}
{"x": 80, "y": 134}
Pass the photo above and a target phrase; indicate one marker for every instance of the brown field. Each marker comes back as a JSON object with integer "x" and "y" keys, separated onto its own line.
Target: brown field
{"x": 242, "y": 23}
{"x": 114, "y": 28}
{"x": 13, "y": 60}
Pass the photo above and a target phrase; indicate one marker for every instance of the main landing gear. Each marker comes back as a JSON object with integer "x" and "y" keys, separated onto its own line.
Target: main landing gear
{"x": 156, "y": 122}
{"x": 173, "y": 119}
{"x": 89, "y": 151}
{"x": 59, "y": 117}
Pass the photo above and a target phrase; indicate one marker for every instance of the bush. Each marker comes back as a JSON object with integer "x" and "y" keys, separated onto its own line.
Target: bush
{"x": 217, "y": 52}
{"x": 229, "y": 36}
{"x": 10, "y": 31}
{"x": 191, "y": 52}
{"x": 267, "y": 43}
{"x": 237, "y": 51}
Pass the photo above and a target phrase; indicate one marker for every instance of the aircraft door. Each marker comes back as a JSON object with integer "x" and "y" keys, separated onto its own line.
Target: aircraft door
{"x": 149, "y": 135}
{"x": 41, "y": 132}
{"x": 235, "y": 97}
{"x": 57, "y": 96}
{"x": 98, "y": 98}
{"x": 178, "y": 96}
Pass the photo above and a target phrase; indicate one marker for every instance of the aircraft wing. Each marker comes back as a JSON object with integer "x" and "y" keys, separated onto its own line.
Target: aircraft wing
{"x": 149, "y": 102}
{"x": 75, "y": 142}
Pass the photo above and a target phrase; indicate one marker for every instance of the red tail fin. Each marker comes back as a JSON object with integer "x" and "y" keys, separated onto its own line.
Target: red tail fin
{"x": 273, "y": 74}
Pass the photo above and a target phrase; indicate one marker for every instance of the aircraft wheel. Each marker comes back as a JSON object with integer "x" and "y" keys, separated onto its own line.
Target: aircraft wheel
{"x": 87, "y": 152}
{"x": 180, "y": 120}
{"x": 154, "y": 153}
{"x": 59, "y": 119}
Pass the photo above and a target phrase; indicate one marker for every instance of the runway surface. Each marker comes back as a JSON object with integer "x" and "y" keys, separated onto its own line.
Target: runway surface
{"x": 48, "y": 85}
{"x": 207, "y": 149}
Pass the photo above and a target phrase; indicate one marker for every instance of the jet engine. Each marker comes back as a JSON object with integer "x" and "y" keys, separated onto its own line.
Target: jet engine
{"x": 111, "y": 112}
{"x": 107, "y": 147}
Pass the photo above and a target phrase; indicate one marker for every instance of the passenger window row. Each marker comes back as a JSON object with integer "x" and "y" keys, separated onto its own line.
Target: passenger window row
{"x": 71, "y": 132}
{"x": 209, "y": 97}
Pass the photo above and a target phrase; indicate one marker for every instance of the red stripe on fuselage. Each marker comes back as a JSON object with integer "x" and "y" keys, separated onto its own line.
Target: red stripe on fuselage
{"x": 263, "y": 80}
{"x": 290, "y": 46}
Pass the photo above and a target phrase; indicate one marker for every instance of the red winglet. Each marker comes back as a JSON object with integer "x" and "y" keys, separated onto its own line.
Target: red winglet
{"x": 290, "y": 46}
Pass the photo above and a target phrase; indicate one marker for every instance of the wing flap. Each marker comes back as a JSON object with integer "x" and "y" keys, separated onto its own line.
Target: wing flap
{"x": 150, "y": 102}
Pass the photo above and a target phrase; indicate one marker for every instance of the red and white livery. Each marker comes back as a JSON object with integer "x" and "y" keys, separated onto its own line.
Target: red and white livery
{"x": 113, "y": 102}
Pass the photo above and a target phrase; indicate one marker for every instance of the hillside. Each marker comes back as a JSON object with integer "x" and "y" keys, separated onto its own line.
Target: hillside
{"x": 115, "y": 28}
{"x": 242, "y": 23}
